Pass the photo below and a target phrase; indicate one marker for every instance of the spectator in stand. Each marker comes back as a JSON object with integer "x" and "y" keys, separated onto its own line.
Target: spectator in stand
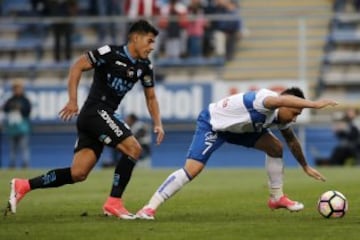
{"x": 17, "y": 124}
{"x": 346, "y": 5}
{"x": 173, "y": 19}
{"x": 196, "y": 28}
{"x": 347, "y": 133}
{"x": 62, "y": 30}
{"x": 135, "y": 9}
{"x": 37, "y": 6}
{"x": 356, "y": 5}
{"x": 104, "y": 8}
{"x": 227, "y": 32}
{"x": 208, "y": 44}
{"x": 339, "y": 5}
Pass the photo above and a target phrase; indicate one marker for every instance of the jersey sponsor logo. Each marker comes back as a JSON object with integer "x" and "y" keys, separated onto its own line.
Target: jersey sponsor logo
{"x": 120, "y": 63}
{"x": 103, "y": 50}
{"x": 119, "y": 85}
{"x": 113, "y": 126}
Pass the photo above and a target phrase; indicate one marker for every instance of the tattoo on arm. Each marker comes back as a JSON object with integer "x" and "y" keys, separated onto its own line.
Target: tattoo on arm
{"x": 294, "y": 146}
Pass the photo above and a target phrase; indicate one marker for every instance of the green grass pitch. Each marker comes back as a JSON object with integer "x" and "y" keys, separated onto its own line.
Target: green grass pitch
{"x": 219, "y": 204}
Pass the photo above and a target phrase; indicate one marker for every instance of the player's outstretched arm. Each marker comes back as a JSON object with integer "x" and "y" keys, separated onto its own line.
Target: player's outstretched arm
{"x": 272, "y": 102}
{"x": 324, "y": 103}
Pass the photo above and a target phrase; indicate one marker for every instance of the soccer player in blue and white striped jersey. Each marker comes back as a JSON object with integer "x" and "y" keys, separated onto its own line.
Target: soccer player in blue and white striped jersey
{"x": 245, "y": 119}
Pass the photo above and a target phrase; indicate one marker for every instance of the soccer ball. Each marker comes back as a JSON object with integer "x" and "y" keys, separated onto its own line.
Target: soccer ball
{"x": 332, "y": 204}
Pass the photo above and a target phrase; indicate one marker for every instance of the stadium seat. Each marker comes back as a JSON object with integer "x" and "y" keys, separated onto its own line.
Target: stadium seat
{"x": 10, "y": 7}
{"x": 341, "y": 58}
{"x": 190, "y": 62}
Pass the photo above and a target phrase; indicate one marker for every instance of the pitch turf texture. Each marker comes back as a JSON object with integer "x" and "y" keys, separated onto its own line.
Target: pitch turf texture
{"x": 219, "y": 204}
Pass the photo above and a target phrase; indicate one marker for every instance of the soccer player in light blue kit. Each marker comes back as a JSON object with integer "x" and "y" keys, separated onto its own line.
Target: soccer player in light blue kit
{"x": 244, "y": 119}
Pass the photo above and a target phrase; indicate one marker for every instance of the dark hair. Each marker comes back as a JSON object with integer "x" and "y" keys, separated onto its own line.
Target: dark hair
{"x": 142, "y": 26}
{"x": 295, "y": 91}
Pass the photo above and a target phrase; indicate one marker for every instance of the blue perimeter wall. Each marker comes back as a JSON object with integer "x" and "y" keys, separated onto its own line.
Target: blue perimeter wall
{"x": 52, "y": 150}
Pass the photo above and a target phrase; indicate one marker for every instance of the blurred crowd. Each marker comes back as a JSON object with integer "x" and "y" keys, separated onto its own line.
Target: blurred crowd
{"x": 188, "y": 28}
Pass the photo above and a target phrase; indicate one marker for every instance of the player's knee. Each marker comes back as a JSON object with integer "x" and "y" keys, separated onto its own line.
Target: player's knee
{"x": 193, "y": 167}
{"x": 134, "y": 151}
{"x": 275, "y": 150}
{"x": 79, "y": 176}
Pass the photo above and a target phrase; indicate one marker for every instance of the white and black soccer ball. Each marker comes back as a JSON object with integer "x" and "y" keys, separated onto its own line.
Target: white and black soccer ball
{"x": 332, "y": 204}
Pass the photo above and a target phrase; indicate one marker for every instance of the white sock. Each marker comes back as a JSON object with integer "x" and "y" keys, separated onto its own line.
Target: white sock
{"x": 168, "y": 188}
{"x": 275, "y": 171}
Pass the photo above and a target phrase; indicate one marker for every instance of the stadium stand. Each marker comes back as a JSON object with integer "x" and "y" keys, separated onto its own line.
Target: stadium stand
{"x": 272, "y": 48}
{"x": 339, "y": 75}
{"x": 26, "y": 44}
{"x": 266, "y": 53}
{"x": 26, "y": 47}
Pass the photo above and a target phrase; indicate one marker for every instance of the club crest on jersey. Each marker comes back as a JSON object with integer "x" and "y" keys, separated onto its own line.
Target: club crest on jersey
{"x": 211, "y": 136}
{"x": 130, "y": 73}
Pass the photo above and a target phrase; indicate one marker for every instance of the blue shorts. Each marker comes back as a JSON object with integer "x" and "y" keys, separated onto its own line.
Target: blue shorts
{"x": 206, "y": 141}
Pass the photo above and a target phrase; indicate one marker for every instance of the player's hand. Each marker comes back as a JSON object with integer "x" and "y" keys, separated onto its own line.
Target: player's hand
{"x": 314, "y": 173}
{"x": 70, "y": 110}
{"x": 159, "y": 131}
{"x": 325, "y": 102}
